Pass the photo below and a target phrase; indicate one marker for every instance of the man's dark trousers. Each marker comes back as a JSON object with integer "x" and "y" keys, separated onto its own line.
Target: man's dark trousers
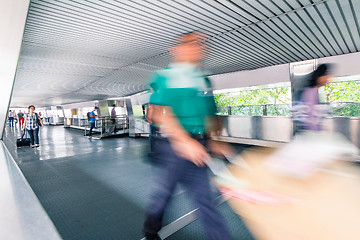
{"x": 34, "y": 136}
{"x": 169, "y": 169}
{"x": 92, "y": 126}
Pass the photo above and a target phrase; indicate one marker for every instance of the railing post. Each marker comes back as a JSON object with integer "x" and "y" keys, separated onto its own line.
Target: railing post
{"x": 229, "y": 110}
{"x": 265, "y": 110}
{"x": 101, "y": 121}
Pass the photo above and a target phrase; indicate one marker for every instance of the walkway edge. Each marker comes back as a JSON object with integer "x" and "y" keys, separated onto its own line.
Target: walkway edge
{"x": 22, "y": 216}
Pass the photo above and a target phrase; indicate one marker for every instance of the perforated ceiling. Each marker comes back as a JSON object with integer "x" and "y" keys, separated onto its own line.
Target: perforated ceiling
{"x": 77, "y": 50}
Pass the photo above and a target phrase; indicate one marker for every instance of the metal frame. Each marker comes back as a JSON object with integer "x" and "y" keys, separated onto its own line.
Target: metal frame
{"x": 13, "y": 16}
{"x": 113, "y": 46}
{"x": 105, "y": 125}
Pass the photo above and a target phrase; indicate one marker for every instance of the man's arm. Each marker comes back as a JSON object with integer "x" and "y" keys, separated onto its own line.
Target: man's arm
{"x": 150, "y": 113}
{"x": 41, "y": 123}
{"x": 24, "y": 125}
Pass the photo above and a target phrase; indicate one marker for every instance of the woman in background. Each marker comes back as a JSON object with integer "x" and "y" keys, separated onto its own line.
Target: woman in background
{"x": 31, "y": 124}
{"x": 310, "y": 97}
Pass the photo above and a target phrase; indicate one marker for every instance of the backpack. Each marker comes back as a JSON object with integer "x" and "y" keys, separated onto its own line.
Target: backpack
{"x": 37, "y": 120}
{"x": 88, "y": 115}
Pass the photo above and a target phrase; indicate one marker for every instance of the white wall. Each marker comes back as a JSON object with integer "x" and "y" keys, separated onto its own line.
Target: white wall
{"x": 12, "y": 23}
{"x": 262, "y": 76}
{"x": 347, "y": 64}
{"x": 90, "y": 104}
{"x": 140, "y": 99}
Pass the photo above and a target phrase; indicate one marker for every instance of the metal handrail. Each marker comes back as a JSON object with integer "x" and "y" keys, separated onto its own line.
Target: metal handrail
{"x": 264, "y": 109}
{"x": 229, "y": 110}
{"x": 105, "y": 123}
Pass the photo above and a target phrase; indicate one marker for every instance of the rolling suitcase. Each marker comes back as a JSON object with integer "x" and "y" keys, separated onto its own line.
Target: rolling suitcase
{"x": 23, "y": 142}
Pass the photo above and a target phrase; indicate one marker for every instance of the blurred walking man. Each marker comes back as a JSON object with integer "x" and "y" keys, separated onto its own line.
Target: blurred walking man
{"x": 12, "y": 116}
{"x": 181, "y": 112}
{"x": 92, "y": 120}
{"x": 21, "y": 118}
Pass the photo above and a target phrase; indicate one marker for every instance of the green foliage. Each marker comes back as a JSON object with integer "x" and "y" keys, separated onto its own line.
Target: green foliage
{"x": 343, "y": 97}
{"x": 278, "y": 110}
{"x": 343, "y": 92}
{"x": 346, "y": 109}
{"x": 254, "y": 97}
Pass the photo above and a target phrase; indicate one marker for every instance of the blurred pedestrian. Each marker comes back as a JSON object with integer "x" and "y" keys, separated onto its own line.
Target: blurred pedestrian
{"x": 21, "y": 118}
{"x": 31, "y": 124}
{"x": 12, "y": 116}
{"x": 152, "y": 105}
{"x": 40, "y": 115}
{"x": 113, "y": 114}
{"x": 92, "y": 119}
{"x": 180, "y": 112}
{"x": 311, "y": 100}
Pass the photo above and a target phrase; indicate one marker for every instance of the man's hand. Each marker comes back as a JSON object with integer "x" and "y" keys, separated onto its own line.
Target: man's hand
{"x": 191, "y": 150}
{"x": 215, "y": 125}
{"x": 181, "y": 141}
{"x": 221, "y": 148}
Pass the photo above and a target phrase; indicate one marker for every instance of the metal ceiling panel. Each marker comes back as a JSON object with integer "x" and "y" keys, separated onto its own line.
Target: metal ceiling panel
{"x": 75, "y": 50}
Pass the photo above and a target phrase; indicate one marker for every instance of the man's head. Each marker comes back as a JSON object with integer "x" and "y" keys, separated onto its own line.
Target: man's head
{"x": 114, "y": 105}
{"x": 95, "y": 108}
{"x": 189, "y": 48}
{"x": 19, "y": 110}
{"x": 31, "y": 108}
{"x": 10, "y": 111}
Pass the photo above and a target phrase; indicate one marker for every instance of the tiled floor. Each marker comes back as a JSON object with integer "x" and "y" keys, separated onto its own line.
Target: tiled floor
{"x": 97, "y": 189}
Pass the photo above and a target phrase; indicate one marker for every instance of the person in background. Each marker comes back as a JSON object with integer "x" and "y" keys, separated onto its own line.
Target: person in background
{"x": 31, "y": 124}
{"x": 153, "y": 99}
{"x": 92, "y": 120}
{"x": 310, "y": 97}
{"x": 113, "y": 119}
{"x": 180, "y": 111}
{"x": 113, "y": 114}
{"x": 21, "y": 118}
{"x": 12, "y": 116}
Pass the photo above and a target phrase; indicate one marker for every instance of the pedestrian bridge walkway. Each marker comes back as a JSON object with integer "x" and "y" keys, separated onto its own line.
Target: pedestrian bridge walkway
{"x": 97, "y": 189}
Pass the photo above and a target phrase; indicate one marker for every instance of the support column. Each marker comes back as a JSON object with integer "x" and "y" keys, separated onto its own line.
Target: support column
{"x": 131, "y": 117}
{"x": 13, "y": 14}
{"x": 299, "y": 76}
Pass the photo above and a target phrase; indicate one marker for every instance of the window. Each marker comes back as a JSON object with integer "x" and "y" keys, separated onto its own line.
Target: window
{"x": 343, "y": 95}
{"x": 272, "y": 100}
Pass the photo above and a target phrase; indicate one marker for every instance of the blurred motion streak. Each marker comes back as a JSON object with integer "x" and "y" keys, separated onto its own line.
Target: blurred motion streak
{"x": 306, "y": 190}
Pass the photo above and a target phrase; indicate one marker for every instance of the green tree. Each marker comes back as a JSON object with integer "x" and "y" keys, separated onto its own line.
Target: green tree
{"x": 254, "y": 97}
{"x": 344, "y": 98}
{"x": 343, "y": 92}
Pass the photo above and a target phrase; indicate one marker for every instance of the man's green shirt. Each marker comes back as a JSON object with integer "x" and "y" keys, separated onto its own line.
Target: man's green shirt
{"x": 183, "y": 87}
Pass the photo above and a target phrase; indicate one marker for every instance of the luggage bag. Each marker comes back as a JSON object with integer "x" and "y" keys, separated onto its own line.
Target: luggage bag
{"x": 23, "y": 142}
